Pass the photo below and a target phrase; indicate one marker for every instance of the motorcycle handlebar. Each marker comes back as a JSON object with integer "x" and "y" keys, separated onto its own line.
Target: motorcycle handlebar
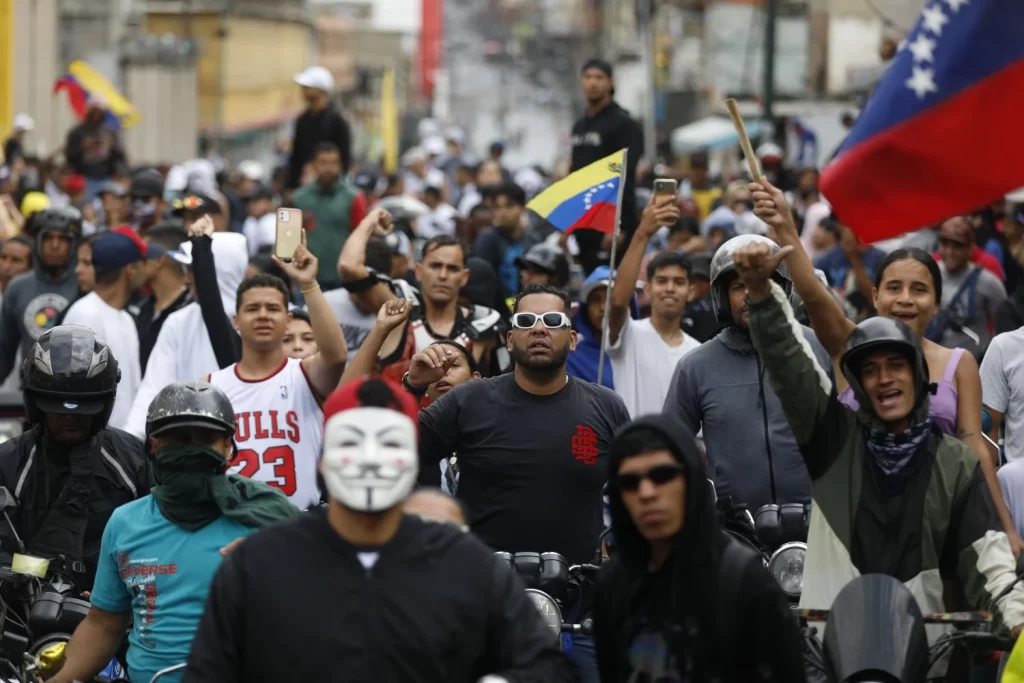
{"x": 584, "y": 568}
{"x": 584, "y": 628}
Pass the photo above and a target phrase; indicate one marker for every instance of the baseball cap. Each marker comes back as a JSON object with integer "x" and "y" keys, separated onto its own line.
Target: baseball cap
{"x": 113, "y": 187}
{"x": 24, "y": 122}
{"x": 316, "y": 77}
{"x": 74, "y": 183}
{"x": 147, "y": 183}
{"x": 120, "y": 247}
{"x": 260, "y": 191}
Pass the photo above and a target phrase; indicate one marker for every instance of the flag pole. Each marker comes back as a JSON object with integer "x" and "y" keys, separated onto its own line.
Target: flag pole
{"x": 611, "y": 268}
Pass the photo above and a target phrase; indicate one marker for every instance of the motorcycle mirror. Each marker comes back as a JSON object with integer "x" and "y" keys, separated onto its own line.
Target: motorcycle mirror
{"x": 7, "y": 499}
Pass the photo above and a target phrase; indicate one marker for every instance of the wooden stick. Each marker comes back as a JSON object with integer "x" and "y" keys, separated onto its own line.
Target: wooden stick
{"x": 741, "y": 132}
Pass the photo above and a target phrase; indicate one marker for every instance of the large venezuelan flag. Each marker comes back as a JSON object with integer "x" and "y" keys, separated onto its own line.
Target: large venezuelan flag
{"x": 940, "y": 135}
{"x": 586, "y": 198}
{"x": 82, "y": 82}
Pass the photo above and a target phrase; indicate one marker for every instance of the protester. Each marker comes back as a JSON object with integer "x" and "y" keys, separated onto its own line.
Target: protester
{"x": 299, "y": 340}
{"x": 386, "y": 576}
{"x": 195, "y": 509}
{"x": 1002, "y": 394}
{"x": 335, "y": 205}
{"x": 147, "y": 199}
{"x": 721, "y": 386}
{"x": 93, "y": 147}
{"x": 32, "y": 302}
{"x": 70, "y": 470}
{"x": 526, "y": 489}
{"x": 508, "y": 239}
{"x": 15, "y": 259}
{"x": 588, "y": 325}
{"x": 432, "y": 505}
{"x": 891, "y": 446}
{"x": 167, "y": 279}
{"x": 183, "y": 349}
{"x": 642, "y": 350}
{"x": 320, "y": 123}
{"x": 604, "y": 129}
{"x": 276, "y": 398}
{"x": 119, "y": 260}
{"x": 679, "y": 595}
{"x": 908, "y": 287}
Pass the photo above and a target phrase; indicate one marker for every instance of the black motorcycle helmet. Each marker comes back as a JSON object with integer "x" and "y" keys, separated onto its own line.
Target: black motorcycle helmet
{"x": 67, "y": 220}
{"x": 723, "y": 271}
{"x": 549, "y": 259}
{"x": 190, "y": 404}
{"x": 884, "y": 333}
{"x": 69, "y": 371}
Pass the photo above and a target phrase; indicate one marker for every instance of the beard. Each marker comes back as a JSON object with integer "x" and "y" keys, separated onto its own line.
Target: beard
{"x": 541, "y": 367}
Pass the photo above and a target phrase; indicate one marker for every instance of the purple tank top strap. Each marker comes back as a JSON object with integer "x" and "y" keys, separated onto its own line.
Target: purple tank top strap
{"x": 952, "y": 365}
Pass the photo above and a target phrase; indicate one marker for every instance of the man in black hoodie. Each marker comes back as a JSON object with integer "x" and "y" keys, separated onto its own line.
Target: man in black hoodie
{"x": 681, "y": 600}
{"x": 605, "y": 129}
{"x": 368, "y": 593}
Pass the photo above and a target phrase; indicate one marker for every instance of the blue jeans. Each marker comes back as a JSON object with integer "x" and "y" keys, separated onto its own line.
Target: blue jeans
{"x": 580, "y": 648}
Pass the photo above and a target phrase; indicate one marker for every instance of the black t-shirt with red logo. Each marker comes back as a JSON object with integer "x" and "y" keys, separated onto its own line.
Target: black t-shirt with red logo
{"x": 531, "y": 468}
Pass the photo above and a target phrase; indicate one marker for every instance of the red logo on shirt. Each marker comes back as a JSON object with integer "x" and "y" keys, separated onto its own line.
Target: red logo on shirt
{"x": 584, "y": 445}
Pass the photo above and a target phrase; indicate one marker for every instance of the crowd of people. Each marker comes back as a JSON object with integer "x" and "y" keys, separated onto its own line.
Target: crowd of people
{"x": 437, "y": 374}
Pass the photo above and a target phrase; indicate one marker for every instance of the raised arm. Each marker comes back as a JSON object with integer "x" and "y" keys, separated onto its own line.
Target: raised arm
{"x": 815, "y": 416}
{"x": 830, "y": 324}
{"x": 352, "y": 260}
{"x": 658, "y": 212}
{"x": 391, "y": 315}
{"x": 226, "y": 344}
{"x": 325, "y": 367}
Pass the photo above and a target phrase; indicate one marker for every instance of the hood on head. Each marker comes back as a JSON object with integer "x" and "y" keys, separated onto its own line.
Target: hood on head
{"x": 230, "y": 258}
{"x": 601, "y": 277}
{"x": 700, "y": 528}
{"x": 482, "y": 286}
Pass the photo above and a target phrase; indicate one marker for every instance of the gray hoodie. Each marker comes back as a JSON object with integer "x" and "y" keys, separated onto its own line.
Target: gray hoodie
{"x": 31, "y": 305}
{"x": 715, "y": 388}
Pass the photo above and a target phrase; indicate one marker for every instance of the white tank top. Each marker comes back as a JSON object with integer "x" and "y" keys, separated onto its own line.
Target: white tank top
{"x": 280, "y": 430}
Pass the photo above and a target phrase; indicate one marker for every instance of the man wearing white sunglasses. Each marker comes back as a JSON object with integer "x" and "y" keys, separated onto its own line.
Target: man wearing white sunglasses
{"x": 532, "y": 445}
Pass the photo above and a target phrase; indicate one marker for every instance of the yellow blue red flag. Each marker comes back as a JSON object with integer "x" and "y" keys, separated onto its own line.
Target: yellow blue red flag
{"x": 587, "y": 198}
{"x": 83, "y": 83}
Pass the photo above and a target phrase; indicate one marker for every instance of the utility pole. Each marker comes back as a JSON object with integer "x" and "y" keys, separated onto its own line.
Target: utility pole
{"x": 771, "y": 13}
{"x": 646, "y": 26}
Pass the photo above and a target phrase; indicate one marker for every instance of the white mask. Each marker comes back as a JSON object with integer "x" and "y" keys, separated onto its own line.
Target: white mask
{"x": 370, "y": 461}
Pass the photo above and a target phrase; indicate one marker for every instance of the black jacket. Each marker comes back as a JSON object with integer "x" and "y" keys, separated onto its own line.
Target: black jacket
{"x": 713, "y": 621}
{"x": 607, "y": 132}
{"x": 121, "y": 474}
{"x": 294, "y": 603}
{"x": 312, "y": 128}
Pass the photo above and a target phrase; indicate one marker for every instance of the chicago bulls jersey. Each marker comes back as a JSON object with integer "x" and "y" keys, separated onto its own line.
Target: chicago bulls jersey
{"x": 280, "y": 430}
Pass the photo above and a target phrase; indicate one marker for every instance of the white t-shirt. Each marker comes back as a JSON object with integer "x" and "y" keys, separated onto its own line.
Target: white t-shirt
{"x": 116, "y": 329}
{"x": 1002, "y": 387}
{"x": 642, "y": 366}
{"x": 260, "y": 232}
{"x": 280, "y": 430}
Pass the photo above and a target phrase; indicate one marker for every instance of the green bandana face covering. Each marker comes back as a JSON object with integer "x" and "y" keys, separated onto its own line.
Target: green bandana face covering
{"x": 193, "y": 491}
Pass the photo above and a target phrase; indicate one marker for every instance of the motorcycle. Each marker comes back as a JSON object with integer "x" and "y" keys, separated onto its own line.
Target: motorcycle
{"x": 552, "y": 584}
{"x": 875, "y": 633}
{"x": 44, "y": 614}
{"x": 783, "y": 530}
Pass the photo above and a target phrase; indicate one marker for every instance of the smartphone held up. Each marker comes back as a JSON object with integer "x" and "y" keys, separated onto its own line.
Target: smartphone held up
{"x": 288, "y": 233}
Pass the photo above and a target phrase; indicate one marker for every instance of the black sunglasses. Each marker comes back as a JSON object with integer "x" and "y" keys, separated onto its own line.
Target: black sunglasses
{"x": 662, "y": 474}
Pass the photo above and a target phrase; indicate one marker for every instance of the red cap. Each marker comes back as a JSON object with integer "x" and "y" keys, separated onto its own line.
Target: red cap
{"x": 74, "y": 183}
{"x": 371, "y": 392}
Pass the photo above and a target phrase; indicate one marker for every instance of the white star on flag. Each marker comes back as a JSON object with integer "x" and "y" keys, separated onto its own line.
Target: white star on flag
{"x": 955, "y": 5}
{"x": 923, "y": 48}
{"x": 922, "y": 82}
{"x": 934, "y": 19}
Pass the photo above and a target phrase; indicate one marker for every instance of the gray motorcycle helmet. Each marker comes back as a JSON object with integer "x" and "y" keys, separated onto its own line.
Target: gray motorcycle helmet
{"x": 723, "y": 269}
{"x": 884, "y": 333}
{"x": 190, "y": 404}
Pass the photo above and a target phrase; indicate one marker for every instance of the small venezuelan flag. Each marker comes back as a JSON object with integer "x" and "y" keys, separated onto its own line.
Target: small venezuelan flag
{"x": 82, "y": 82}
{"x": 587, "y": 198}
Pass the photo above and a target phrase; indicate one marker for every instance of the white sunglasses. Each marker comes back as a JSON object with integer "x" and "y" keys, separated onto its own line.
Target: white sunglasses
{"x": 552, "y": 320}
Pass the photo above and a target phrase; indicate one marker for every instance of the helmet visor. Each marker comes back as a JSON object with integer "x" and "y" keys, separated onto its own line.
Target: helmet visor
{"x": 70, "y": 405}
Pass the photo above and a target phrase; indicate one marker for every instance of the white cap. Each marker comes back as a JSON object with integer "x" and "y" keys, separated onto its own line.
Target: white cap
{"x": 769, "y": 149}
{"x": 413, "y": 155}
{"x": 1016, "y": 196}
{"x": 251, "y": 169}
{"x": 316, "y": 77}
{"x": 434, "y": 145}
{"x": 24, "y": 122}
{"x": 455, "y": 135}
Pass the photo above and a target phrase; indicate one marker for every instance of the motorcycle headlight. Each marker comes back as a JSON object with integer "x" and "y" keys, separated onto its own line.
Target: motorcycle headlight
{"x": 548, "y": 609}
{"x": 9, "y": 429}
{"x": 787, "y": 567}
